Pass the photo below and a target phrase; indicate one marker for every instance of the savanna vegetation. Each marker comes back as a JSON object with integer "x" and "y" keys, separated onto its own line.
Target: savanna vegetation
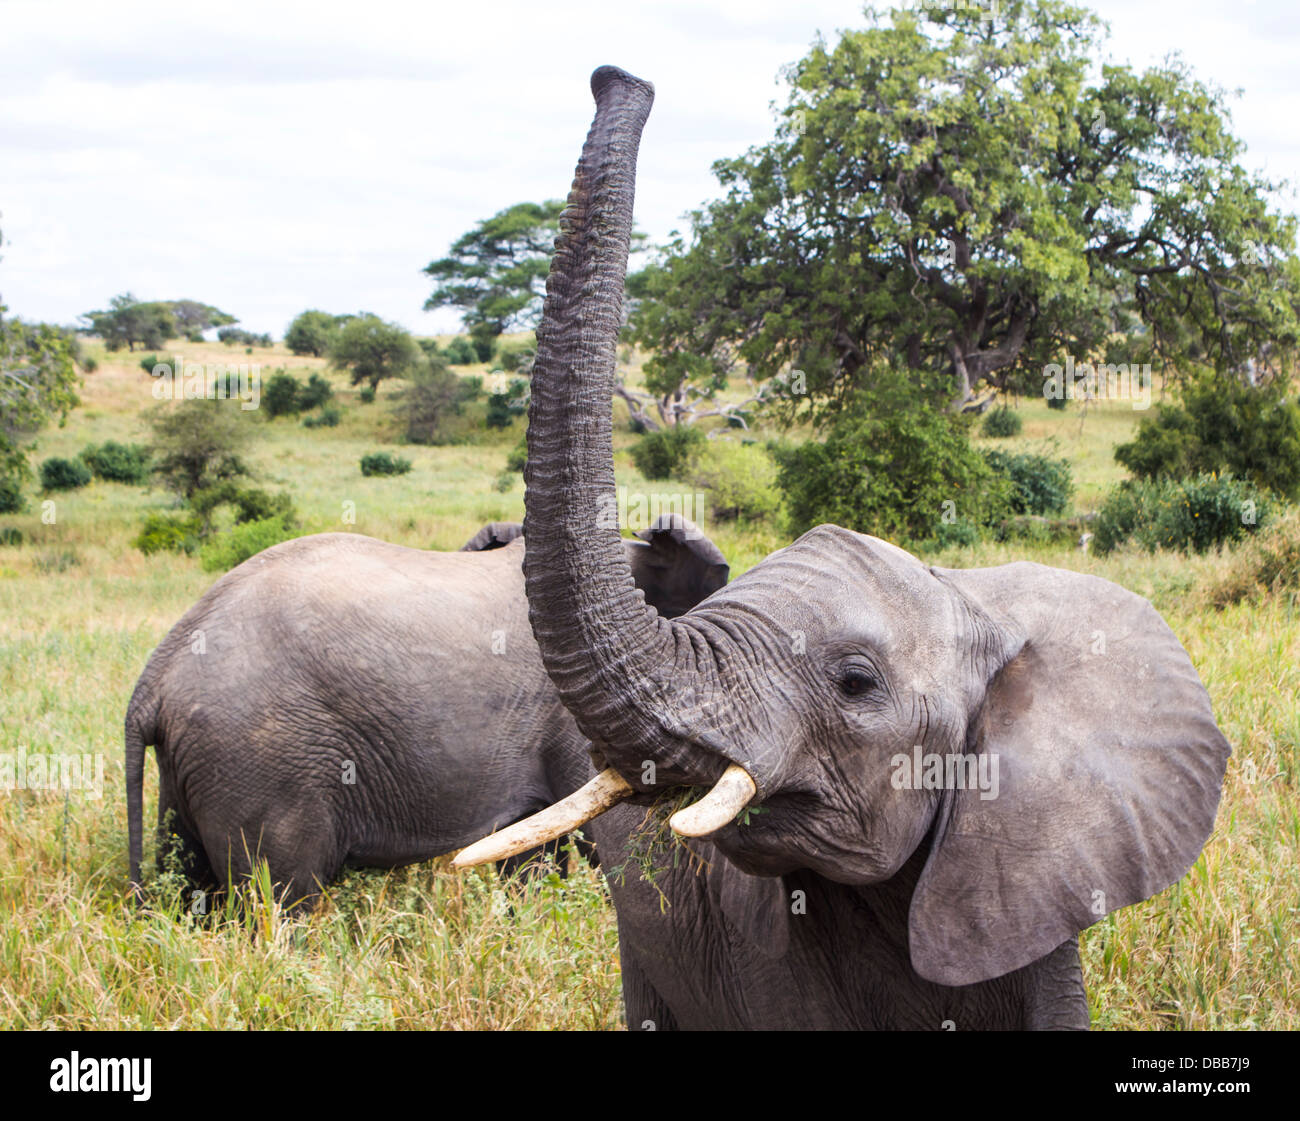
{"x": 763, "y": 396}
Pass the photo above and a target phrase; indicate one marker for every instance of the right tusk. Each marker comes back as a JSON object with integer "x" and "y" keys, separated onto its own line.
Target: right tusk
{"x": 607, "y": 789}
{"x": 719, "y": 807}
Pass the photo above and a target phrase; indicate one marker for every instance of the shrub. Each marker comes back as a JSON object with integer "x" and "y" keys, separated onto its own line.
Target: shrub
{"x": 504, "y": 407}
{"x": 168, "y": 533}
{"x": 11, "y": 495}
{"x": 118, "y": 463}
{"x": 1190, "y": 515}
{"x": 315, "y": 393}
{"x": 384, "y": 463}
{"x": 669, "y": 452}
{"x": 236, "y": 545}
{"x": 10, "y": 535}
{"x": 517, "y": 460}
{"x": 956, "y": 534}
{"x": 1059, "y": 403}
{"x": 281, "y": 395}
{"x": 1039, "y": 483}
{"x": 64, "y": 474}
{"x": 328, "y": 417}
{"x": 740, "y": 480}
{"x": 197, "y": 444}
{"x": 90, "y": 363}
{"x": 1223, "y": 425}
{"x": 460, "y": 352}
{"x": 250, "y": 504}
{"x": 1002, "y": 422}
{"x": 432, "y": 397}
{"x": 516, "y": 356}
{"x": 894, "y": 463}
{"x": 148, "y": 362}
{"x": 1267, "y": 564}
{"x": 367, "y": 394}
{"x": 237, "y": 336}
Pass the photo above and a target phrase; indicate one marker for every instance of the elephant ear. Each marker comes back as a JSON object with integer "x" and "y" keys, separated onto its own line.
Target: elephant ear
{"x": 1109, "y": 767}
{"x": 494, "y": 535}
{"x": 676, "y": 565}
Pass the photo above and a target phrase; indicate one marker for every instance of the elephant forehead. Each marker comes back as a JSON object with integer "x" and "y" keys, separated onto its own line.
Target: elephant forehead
{"x": 834, "y": 584}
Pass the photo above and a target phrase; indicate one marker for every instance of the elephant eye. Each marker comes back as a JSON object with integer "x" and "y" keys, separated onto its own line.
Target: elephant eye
{"x": 857, "y": 683}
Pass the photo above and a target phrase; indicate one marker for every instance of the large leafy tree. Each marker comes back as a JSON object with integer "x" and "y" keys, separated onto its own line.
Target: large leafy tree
{"x": 193, "y": 318}
{"x": 963, "y": 192}
{"x": 495, "y": 275}
{"x": 38, "y": 383}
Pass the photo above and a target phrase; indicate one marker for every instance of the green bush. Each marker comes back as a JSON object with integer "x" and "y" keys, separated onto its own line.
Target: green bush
{"x": 10, "y": 535}
{"x": 460, "y": 352}
{"x": 118, "y": 463}
{"x": 1002, "y": 422}
{"x": 1039, "y": 483}
{"x": 250, "y": 504}
{"x": 168, "y": 533}
{"x": 328, "y": 417}
{"x": 956, "y": 534}
{"x": 516, "y": 356}
{"x": 11, "y": 495}
{"x": 1059, "y": 403}
{"x": 1221, "y": 426}
{"x": 282, "y": 395}
{"x": 236, "y": 545}
{"x": 431, "y": 398}
{"x": 367, "y": 395}
{"x": 740, "y": 480}
{"x": 504, "y": 407}
{"x": 384, "y": 463}
{"x": 895, "y": 463}
{"x": 668, "y": 453}
{"x": 1268, "y": 564}
{"x": 1189, "y": 515}
{"x": 517, "y": 460}
{"x": 64, "y": 474}
{"x": 315, "y": 393}
{"x": 148, "y": 362}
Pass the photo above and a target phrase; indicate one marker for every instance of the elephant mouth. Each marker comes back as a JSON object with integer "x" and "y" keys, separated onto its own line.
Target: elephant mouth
{"x": 719, "y": 807}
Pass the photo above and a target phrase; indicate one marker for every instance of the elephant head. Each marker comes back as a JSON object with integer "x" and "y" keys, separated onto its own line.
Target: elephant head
{"x": 1040, "y": 736}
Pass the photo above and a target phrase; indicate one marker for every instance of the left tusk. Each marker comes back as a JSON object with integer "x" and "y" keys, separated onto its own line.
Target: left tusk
{"x": 607, "y": 789}
{"x": 719, "y": 807}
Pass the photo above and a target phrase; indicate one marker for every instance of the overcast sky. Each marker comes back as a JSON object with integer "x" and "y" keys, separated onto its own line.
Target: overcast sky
{"x": 269, "y": 157}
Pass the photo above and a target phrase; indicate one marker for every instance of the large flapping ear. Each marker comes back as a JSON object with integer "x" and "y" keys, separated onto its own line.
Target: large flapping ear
{"x": 676, "y": 565}
{"x": 494, "y": 535}
{"x": 1109, "y": 767}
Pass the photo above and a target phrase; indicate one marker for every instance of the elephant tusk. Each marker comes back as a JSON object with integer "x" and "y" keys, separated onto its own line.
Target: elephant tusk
{"x": 730, "y": 794}
{"x": 607, "y": 789}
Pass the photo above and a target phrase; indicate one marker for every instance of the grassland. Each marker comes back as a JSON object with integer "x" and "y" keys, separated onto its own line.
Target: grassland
{"x": 80, "y": 610}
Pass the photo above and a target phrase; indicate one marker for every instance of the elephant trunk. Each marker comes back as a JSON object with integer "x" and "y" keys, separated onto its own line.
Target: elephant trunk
{"x": 620, "y": 668}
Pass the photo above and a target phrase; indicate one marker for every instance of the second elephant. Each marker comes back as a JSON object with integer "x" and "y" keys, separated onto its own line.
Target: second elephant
{"x": 341, "y": 700}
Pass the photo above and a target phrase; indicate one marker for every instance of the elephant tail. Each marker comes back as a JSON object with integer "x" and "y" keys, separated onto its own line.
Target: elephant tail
{"x": 141, "y": 721}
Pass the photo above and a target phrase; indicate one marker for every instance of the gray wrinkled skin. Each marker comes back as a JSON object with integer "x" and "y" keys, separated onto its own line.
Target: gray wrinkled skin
{"x": 849, "y": 896}
{"x": 340, "y": 700}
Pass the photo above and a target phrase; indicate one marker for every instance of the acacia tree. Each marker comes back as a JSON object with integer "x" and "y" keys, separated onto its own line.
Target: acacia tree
{"x": 959, "y": 193}
{"x": 129, "y": 321}
{"x": 495, "y": 275}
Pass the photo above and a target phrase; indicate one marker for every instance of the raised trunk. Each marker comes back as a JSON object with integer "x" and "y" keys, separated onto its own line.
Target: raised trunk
{"x": 620, "y": 668}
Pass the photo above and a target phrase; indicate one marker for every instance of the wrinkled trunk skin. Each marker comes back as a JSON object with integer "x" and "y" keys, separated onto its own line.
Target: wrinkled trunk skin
{"x": 617, "y": 664}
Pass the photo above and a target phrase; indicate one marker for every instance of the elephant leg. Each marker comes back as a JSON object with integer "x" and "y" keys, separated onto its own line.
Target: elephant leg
{"x": 301, "y": 850}
{"x": 1055, "y": 996}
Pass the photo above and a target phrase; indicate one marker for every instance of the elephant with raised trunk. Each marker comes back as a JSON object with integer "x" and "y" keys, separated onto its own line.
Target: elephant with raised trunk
{"x": 341, "y": 700}
{"x": 922, "y": 783}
